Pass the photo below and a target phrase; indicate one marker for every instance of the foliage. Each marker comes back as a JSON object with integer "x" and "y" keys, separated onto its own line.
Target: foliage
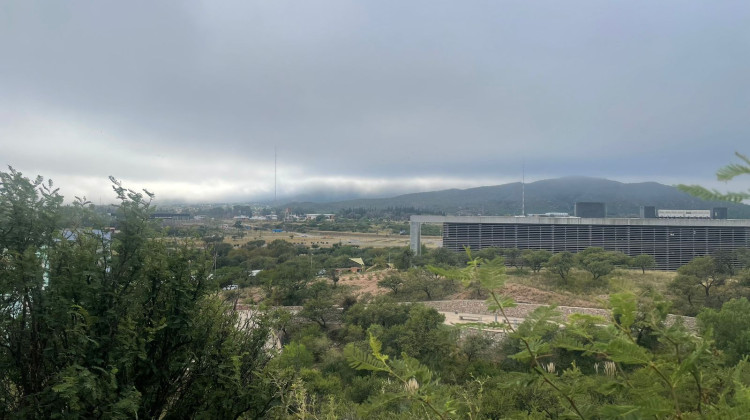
{"x": 392, "y": 281}
{"x": 380, "y": 311}
{"x": 536, "y": 259}
{"x": 514, "y": 257}
{"x": 287, "y": 283}
{"x": 115, "y": 325}
{"x": 666, "y": 380}
{"x": 599, "y": 262}
{"x": 319, "y": 306}
{"x": 726, "y": 173}
{"x": 643, "y": 262}
{"x": 403, "y": 260}
{"x": 730, "y": 327}
{"x": 694, "y": 283}
{"x": 561, "y": 263}
{"x": 421, "y": 284}
{"x": 417, "y": 384}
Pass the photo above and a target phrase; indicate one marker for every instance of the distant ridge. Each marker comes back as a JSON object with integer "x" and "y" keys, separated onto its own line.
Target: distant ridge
{"x": 549, "y": 195}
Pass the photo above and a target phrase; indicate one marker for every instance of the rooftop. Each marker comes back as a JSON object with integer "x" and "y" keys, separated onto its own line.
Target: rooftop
{"x": 536, "y": 220}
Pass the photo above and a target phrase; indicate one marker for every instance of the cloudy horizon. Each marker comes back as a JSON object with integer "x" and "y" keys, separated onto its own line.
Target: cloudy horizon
{"x": 192, "y": 99}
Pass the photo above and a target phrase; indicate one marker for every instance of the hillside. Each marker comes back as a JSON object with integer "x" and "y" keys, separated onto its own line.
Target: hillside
{"x": 550, "y": 195}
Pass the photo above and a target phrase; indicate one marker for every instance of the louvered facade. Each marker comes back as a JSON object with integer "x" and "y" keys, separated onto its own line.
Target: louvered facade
{"x": 673, "y": 243}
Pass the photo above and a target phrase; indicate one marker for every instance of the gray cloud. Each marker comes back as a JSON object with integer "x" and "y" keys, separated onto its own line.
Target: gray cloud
{"x": 190, "y": 98}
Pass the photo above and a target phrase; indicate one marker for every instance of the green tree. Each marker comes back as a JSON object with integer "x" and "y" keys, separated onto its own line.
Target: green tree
{"x": 561, "y": 264}
{"x": 489, "y": 253}
{"x": 287, "y": 283}
{"x": 100, "y": 325}
{"x": 443, "y": 257}
{"x": 514, "y": 257}
{"x": 673, "y": 380}
{"x": 403, "y": 260}
{"x": 418, "y": 281}
{"x": 536, "y": 259}
{"x": 392, "y": 281}
{"x": 319, "y": 306}
{"x": 724, "y": 261}
{"x": 417, "y": 385}
{"x": 643, "y": 262}
{"x": 701, "y": 271}
{"x": 730, "y": 327}
{"x": 598, "y": 262}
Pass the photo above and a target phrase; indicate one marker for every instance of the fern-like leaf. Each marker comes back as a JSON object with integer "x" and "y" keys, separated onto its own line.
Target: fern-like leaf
{"x": 361, "y": 360}
{"x": 734, "y": 169}
{"x": 712, "y": 195}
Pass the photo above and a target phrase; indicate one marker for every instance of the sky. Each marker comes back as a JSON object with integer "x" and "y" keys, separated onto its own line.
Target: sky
{"x": 199, "y": 101}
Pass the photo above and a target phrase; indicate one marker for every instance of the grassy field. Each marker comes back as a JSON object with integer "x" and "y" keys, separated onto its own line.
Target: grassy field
{"x": 581, "y": 288}
{"x": 325, "y": 239}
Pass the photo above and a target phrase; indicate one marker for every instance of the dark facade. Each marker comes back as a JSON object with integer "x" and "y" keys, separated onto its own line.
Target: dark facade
{"x": 719, "y": 213}
{"x": 671, "y": 244}
{"x": 648, "y": 212}
{"x": 585, "y": 209}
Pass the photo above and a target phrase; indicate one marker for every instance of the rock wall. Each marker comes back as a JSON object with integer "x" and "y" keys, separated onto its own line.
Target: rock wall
{"x": 522, "y": 310}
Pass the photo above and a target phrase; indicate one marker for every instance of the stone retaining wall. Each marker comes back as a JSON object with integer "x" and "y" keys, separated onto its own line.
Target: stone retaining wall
{"x": 522, "y": 310}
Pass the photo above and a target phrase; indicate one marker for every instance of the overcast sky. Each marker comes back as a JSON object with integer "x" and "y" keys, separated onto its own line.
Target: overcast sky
{"x": 190, "y": 98}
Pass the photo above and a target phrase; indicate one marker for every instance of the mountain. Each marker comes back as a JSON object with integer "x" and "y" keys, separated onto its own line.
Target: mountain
{"x": 549, "y": 195}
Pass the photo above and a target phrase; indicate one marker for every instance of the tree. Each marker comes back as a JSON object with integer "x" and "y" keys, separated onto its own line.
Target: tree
{"x": 420, "y": 281}
{"x": 319, "y": 307}
{"x": 443, "y": 257}
{"x": 730, "y": 327}
{"x": 598, "y": 262}
{"x": 643, "y": 262}
{"x": 536, "y": 259}
{"x": 674, "y": 380}
{"x": 489, "y": 253}
{"x": 403, "y": 260}
{"x": 102, "y": 325}
{"x": 561, "y": 264}
{"x": 723, "y": 259}
{"x": 392, "y": 281}
{"x": 287, "y": 283}
{"x": 513, "y": 257}
{"x": 417, "y": 385}
{"x": 333, "y": 273}
{"x": 701, "y": 271}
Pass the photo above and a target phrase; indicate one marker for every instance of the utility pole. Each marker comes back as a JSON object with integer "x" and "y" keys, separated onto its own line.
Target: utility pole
{"x": 523, "y": 189}
{"x": 274, "y": 176}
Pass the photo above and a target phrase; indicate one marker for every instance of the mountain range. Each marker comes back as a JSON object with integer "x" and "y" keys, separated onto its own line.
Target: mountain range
{"x": 549, "y": 195}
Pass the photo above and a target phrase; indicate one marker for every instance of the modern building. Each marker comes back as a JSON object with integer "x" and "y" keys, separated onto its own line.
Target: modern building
{"x": 175, "y": 216}
{"x": 672, "y": 242}
{"x": 586, "y": 209}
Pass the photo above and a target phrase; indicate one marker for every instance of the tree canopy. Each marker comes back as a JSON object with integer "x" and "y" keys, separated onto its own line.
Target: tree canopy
{"x": 101, "y": 323}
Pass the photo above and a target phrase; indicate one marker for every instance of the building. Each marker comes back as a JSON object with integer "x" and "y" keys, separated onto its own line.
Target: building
{"x": 672, "y": 242}
{"x": 586, "y": 209}
{"x": 171, "y": 216}
{"x": 315, "y": 216}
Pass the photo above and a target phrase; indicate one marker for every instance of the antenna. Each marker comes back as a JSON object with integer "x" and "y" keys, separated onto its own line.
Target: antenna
{"x": 523, "y": 189}
{"x": 274, "y": 175}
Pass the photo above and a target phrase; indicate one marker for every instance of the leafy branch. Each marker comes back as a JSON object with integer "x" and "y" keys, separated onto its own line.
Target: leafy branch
{"x": 417, "y": 383}
{"x": 727, "y": 173}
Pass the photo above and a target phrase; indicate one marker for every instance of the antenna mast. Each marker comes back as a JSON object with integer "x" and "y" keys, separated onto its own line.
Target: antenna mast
{"x": 274, "y": 175}
{"x": 523, "y": 189}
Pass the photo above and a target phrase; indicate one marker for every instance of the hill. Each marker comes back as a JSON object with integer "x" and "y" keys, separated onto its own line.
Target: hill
{"x": 549, "y": 195}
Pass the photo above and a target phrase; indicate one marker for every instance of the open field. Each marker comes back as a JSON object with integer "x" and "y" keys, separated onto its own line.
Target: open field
{"x": 325, "y": 239}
